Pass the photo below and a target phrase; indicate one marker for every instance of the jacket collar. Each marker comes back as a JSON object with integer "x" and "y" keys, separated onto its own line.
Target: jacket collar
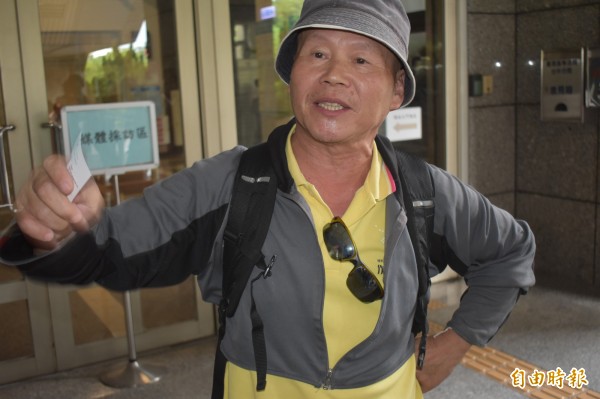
{"x": 277, "y": 141}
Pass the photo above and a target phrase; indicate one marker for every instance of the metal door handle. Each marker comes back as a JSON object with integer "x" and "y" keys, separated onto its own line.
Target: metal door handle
{"x": 56, "y": 129}
{"x": 4, "y": 172}
{"x": 51, "y": 125}
{"x": 6, "y": 129}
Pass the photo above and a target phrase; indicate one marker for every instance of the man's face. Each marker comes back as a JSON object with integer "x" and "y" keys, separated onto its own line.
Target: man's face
{"x": 343, "y": 85}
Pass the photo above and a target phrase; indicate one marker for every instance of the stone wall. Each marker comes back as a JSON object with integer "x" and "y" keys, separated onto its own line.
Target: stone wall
{"x": 544, "y": 172}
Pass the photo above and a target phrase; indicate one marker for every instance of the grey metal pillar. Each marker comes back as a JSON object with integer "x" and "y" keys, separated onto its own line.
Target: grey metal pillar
{"x": 131, "y": 374}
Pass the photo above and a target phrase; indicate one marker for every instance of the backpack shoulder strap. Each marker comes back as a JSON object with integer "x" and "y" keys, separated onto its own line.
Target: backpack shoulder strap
{"x": 250, "y": 211}
{"x": 418, "y": 193}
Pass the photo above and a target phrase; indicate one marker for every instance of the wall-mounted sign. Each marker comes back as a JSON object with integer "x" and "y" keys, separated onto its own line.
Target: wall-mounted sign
{"x": 404, "y": 124}
{"x": 561, "y": 97}
{"x": 115, "y": 137}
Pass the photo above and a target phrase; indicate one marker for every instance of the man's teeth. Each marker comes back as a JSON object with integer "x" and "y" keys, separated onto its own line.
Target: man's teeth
{"x": 331, "y": 106}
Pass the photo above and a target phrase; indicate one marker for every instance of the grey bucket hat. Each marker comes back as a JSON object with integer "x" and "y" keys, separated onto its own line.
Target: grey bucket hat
{"x": 382, "y": 20}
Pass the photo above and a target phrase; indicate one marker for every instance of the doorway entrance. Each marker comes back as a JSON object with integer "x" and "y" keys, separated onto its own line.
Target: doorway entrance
{"x": 69, "y": 52}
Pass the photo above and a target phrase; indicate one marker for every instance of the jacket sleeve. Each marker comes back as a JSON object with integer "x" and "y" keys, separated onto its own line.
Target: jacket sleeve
{"x": 156, "y": 240}
{"x": 492, "y": 250}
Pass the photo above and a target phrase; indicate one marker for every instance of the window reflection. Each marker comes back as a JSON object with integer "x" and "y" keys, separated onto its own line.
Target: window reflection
{"x": 261, "y": 97}
{"x": 115, "y": 51}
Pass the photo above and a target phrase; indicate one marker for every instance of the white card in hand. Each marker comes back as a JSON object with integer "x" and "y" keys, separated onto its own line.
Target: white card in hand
{"x": 78, "y": 168}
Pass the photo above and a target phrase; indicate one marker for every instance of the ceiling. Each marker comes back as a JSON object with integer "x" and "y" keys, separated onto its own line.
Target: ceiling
{"x": 81, "y": 26}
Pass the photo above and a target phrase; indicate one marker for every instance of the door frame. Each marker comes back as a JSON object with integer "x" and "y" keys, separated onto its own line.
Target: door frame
{"x": 457, "y": 101}
{"x": 15, "y": 107}
{"x": 457, "y": 98}
{"x": 217, "y": 91}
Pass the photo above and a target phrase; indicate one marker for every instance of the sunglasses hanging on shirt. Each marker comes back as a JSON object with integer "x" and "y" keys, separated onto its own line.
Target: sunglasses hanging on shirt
{"x": 361, "y": 282}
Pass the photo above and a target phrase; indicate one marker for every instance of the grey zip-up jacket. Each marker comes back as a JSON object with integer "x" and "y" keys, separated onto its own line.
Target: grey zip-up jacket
{"x": 176, "y": 229}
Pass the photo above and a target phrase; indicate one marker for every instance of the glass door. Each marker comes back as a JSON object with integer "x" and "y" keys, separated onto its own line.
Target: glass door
{"x": 116, "y": 51}
{"x": 90, "y": 52}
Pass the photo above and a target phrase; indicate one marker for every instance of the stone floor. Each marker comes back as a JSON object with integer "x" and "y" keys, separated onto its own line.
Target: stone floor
{"x": 547, "y": 330}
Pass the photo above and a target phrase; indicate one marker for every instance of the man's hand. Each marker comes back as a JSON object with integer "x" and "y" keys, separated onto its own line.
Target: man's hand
{"x": 444, "y": 352}
{"x": 43, "y": 211}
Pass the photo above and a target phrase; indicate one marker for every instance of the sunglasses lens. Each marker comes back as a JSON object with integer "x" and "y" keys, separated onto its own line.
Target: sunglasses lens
{"x": 338, "y": 242}
{"x": 364, "y": 285}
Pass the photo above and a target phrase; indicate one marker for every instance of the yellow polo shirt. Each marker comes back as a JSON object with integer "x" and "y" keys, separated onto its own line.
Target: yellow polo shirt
{"x": 346, "y": 320}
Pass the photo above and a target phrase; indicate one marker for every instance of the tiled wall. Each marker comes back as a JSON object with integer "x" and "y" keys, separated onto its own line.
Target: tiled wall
{"x": 491, "y": 40}
{"x": 544, "y": 172}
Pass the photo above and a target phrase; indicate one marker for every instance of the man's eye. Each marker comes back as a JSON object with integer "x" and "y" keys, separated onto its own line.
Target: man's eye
{"x": 318, "y": 54}
{"x": 361, "y": 61}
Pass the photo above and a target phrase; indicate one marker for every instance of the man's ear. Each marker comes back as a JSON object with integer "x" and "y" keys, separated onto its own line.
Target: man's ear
{"x": 398, "y": 94}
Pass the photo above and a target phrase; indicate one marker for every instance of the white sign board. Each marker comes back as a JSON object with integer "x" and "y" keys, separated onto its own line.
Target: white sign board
{"x": 115, "y": 137}
{"x": 404, "y": 124}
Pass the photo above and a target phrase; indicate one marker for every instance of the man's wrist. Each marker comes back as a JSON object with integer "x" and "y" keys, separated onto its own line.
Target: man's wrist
{"x": 442, "y": 332}
{"x": 458, "y": 342}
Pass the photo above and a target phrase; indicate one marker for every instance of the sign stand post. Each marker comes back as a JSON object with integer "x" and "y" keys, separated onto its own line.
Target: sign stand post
{"x": 132, "y": 374}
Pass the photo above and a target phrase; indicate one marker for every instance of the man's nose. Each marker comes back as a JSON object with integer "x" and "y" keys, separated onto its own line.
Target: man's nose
{"x": 336, "y": 72}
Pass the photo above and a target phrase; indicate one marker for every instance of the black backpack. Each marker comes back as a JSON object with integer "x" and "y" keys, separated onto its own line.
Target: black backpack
{"x": 250, "y": 212}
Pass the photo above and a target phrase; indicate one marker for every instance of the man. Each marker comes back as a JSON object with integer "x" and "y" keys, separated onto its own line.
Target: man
{"x": 345, "y": 62}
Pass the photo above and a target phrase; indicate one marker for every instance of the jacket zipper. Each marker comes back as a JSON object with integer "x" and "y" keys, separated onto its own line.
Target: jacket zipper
{"x": 327, "y": 383}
